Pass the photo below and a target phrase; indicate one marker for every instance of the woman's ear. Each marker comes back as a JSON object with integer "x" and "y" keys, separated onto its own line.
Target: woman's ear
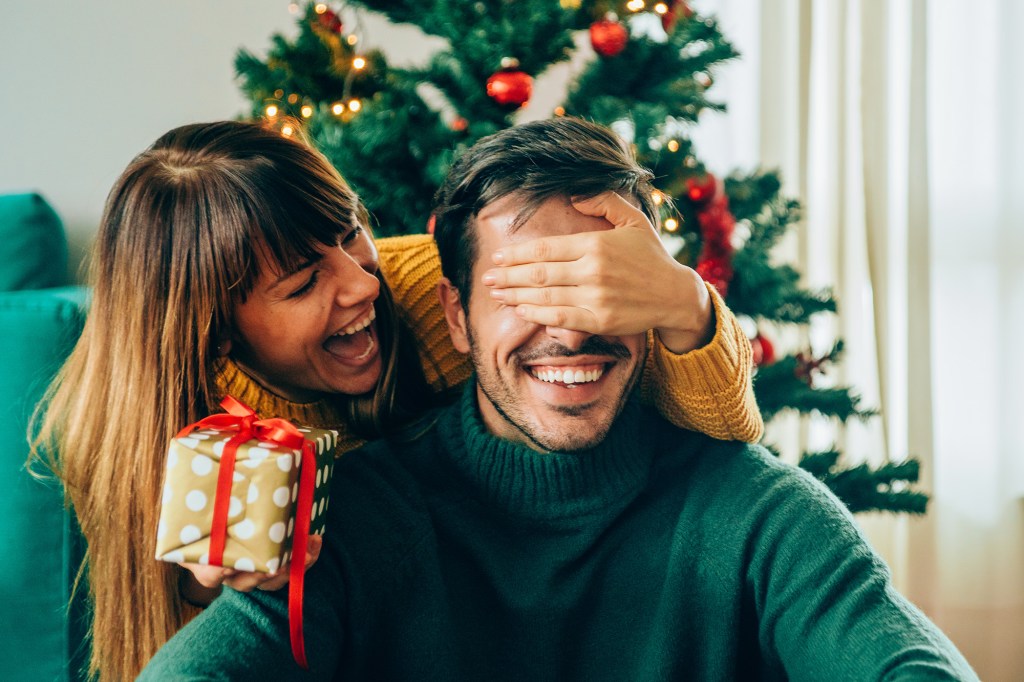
{"x": 223, "y": 346}
{"x": 454, "y": 314}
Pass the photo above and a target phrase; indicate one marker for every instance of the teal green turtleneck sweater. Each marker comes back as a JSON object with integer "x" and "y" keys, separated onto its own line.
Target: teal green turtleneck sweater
{"x": 658, "y": 555}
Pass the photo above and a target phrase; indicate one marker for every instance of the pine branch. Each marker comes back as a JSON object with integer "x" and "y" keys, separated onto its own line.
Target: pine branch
{"x": 863, "y": 488}
{"x": 779, "y": 387}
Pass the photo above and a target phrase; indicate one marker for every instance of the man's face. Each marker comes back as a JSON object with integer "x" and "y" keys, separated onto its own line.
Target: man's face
{"x": 547, "y": 387}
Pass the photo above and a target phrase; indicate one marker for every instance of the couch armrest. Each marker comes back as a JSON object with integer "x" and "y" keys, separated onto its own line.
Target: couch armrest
{"x": 43, "y": 634}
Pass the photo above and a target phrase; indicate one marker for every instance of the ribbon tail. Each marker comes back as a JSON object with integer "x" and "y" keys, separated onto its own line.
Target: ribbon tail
{"x": 297, "y": 571}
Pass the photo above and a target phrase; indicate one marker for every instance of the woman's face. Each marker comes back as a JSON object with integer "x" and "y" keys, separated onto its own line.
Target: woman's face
{"x": 311, "y": 331}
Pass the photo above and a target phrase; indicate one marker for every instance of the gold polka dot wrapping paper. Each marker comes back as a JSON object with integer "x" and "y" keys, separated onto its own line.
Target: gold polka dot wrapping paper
{"x": 264, "y": 491}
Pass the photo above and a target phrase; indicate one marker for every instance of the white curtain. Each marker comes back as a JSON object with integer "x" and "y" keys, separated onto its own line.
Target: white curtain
{"x": 900, "y": 125}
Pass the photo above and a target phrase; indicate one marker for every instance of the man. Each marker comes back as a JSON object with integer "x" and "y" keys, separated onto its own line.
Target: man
{"x": 546, "y": 527}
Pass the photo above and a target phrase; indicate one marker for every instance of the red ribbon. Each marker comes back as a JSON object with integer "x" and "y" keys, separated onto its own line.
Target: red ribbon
{"x": 242, "y": 418}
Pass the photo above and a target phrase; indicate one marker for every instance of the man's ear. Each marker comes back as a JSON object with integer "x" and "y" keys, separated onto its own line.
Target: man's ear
{"x": 454, "y": 314}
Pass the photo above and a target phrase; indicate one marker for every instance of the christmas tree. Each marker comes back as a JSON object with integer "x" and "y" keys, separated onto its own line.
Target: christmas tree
{"x": 393, "y": 132}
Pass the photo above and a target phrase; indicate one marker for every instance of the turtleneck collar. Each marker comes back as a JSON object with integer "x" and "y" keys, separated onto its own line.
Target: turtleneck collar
{"x": 325, "y": 413}
{"x": 547, "y": 485}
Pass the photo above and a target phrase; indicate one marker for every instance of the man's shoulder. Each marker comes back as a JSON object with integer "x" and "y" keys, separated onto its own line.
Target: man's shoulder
{"x": 734, "y": 466}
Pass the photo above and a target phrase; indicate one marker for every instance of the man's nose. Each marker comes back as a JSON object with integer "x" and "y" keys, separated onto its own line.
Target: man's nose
{"x": 570, "y": 338}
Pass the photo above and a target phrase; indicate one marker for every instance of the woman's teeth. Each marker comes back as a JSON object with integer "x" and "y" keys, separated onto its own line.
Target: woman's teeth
{"x": 568, "y": 376}
{"x": 360, "y": 325}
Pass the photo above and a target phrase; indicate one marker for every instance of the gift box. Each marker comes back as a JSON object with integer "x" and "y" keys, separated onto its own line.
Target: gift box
{"x": 259, "y": 496}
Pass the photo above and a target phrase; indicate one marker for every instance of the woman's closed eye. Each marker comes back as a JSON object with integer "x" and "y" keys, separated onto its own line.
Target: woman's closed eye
{"x": 351, "y": 235}
{"x": 307, "y": 286}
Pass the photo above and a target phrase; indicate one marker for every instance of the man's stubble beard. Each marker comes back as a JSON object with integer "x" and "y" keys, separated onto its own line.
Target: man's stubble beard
{"x": 491, "y": 383}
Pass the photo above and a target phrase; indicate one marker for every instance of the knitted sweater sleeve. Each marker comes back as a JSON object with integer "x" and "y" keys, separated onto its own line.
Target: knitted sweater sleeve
{"x": 708, "y": 389}
{"x": 244, "y": 636}
{"x": 825, "y": 601}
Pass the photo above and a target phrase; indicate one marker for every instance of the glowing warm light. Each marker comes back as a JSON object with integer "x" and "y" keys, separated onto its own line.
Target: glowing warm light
{"x": 287, "y": 131}
{"x": 278, "y": 93}
{"x": 661, "y": 8}
{"x": 307, "y": 111}
{"x": 671, "y": 224}
{"x": 358, "y": 63}
{"x": 657, "y": 197}
{"x": 293, "y": 98}
{"x": 635, "y": 5}
{"x": 559, "y": 111}
{"x": 352, "y": 39}
{"x": 673, "y": 145}
{"x": 338, "y": 108}
{"x": 321, "y": 8}
{"x": 272, "y": 111}
{"x": 355, "y": 105}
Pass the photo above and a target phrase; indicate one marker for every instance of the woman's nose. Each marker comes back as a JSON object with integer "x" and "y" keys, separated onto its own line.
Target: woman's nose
{"x": 357, "y": 281}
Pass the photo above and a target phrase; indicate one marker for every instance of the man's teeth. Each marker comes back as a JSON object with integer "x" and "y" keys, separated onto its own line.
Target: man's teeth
{"x": 568, "y": 376}
{"x": 360, "y": 325}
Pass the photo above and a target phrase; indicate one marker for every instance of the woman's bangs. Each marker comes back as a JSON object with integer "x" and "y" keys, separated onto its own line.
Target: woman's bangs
{"x": 297, "y": 236}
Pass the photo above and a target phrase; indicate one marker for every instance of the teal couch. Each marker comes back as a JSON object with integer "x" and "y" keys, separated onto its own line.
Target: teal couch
{"x": 42, "y": 630}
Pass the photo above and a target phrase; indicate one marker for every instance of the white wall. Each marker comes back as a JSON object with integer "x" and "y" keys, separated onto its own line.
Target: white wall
{"x": 85, "y": 86}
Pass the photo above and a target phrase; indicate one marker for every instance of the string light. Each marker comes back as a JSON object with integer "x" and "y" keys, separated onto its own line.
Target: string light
{"x": 278, "y": 94}
{"x": 338, "y": 108}
{"x": 657, "y": 197}
{"x": 307, "y": 111}
{"x": 661, "y": 8}
{"x": 321, "y": 8}
{"x": 559, "y": 111}
{"x": 352, "y": 39}
{"x": 355, "y": 105}
{"x": 272, "y": 111}
{"x": 287, "y": 131}
{"x": 671, "y": 224}
{"x": 293, "y": 98}
{"x": 635, "y": 5}
{"x": 673, "y": 145}
{"x": 358, "y": 63}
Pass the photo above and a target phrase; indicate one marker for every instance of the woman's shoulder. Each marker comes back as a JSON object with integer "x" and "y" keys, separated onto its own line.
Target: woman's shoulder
{"x": 406, "y": 245}
{"x": 410, "y": 265}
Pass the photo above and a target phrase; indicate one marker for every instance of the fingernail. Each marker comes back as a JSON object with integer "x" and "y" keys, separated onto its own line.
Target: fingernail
{"x": 498, "y": 257}
{"x": 498, "y": 294}
{"x": 489, "y": 278}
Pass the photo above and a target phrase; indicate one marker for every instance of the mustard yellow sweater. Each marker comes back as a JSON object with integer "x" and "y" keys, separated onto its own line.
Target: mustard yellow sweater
{"x": 708, "y": 389}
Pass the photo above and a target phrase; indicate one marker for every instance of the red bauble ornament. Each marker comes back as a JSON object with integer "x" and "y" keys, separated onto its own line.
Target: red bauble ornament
{"x": 510, "y": 86}
{"x": 764, "y": 352}
{"x": 677, "y": 9}
{"x": 608, "y": 37}
{"x": 459, "y": 124}
{"x": 329, "y": 20}
{"x": 701, "y": 190}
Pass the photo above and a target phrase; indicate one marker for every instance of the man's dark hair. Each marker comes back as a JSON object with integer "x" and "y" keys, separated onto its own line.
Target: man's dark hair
{"x": 535, "y": 161}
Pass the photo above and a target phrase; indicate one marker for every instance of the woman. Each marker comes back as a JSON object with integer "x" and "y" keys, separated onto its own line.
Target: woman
{"x": 233, "y": 260}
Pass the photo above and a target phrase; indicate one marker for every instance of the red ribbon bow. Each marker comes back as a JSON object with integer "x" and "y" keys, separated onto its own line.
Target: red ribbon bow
{"x": 242, "y": 419}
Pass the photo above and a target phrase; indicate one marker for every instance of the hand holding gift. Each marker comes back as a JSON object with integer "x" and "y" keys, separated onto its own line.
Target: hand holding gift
{"x": 246, "y": 494}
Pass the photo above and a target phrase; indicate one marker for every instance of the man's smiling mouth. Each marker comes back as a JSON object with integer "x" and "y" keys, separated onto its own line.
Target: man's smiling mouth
{"x": 569, "y": 376}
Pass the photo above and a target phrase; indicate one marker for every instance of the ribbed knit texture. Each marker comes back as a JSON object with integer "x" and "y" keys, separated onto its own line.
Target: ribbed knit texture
{"x": 658, "y": 555}
{"x": 707, "y": 390}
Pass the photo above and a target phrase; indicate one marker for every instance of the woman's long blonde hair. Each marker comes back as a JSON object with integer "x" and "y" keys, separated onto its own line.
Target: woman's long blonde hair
{"x": 174, "y": 252}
